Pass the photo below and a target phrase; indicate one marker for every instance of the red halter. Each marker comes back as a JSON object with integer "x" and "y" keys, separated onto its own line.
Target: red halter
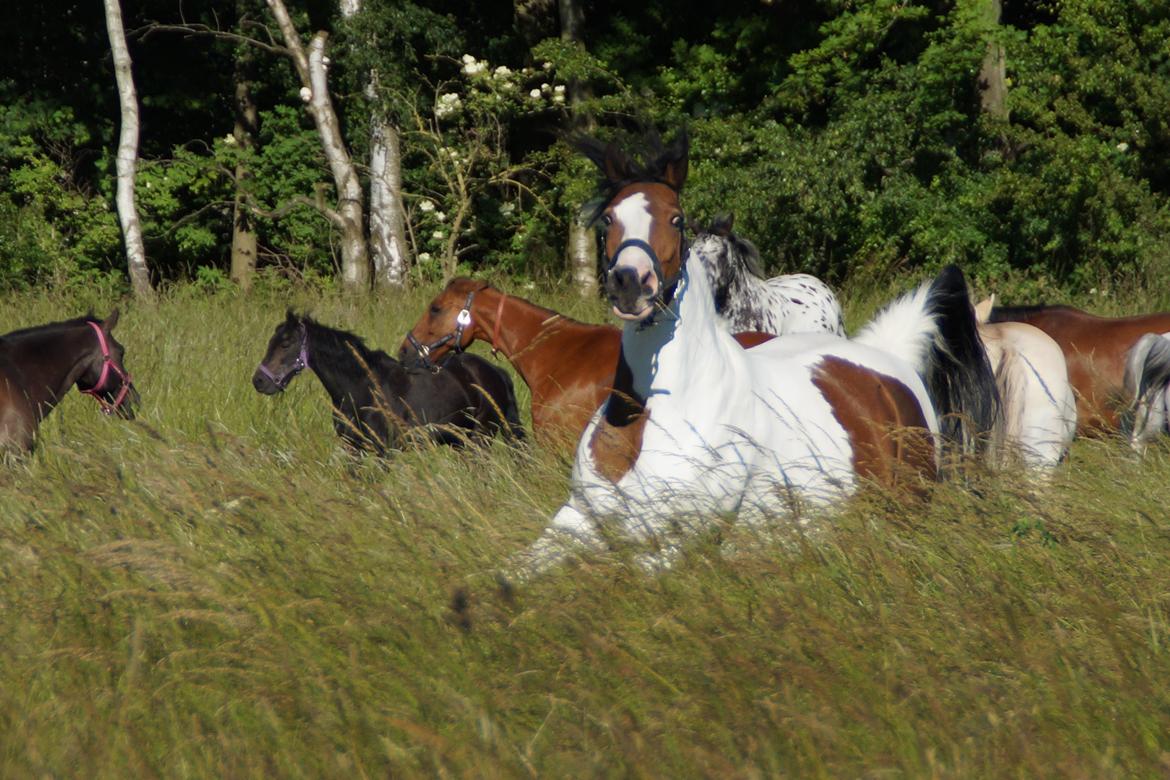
{"x": 108, "y": 365}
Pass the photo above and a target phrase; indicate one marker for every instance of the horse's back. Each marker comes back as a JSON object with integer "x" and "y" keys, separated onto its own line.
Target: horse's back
{"x": 812, "y": 306}
{"x": 491, "y": 392}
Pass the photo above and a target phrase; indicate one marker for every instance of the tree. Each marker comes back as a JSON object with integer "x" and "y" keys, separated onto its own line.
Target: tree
{"x": 347, "y": 216}
{"x": 127, "y": 158}
{"x": 244, "y": 133}
{"x": 993, "y": 71}
{"x": 582, "y": 248}
{"x": 388, "y": 245}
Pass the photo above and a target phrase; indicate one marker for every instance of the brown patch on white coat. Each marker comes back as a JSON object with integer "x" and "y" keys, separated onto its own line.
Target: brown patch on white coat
{"x": 887, "y": 429}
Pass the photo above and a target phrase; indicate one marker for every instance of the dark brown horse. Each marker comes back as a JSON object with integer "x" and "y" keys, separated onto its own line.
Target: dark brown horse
{"x": 39, "y": 365}
{"x": 1095, "y": 349}
{"x": 568, "y": 365}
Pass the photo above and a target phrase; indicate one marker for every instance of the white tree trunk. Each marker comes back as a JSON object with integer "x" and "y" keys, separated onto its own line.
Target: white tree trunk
{"x": 387, "y": 217}
{"x": 347, "y": 216}
{"x": 581, "y": 248}
{"x": 127, "y": 160}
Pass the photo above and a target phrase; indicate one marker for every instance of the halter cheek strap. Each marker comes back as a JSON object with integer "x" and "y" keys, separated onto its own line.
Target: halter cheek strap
{"x": 462, "y": 323}
{"x": 299, "y": 365}
{"x": 109, "y": 365}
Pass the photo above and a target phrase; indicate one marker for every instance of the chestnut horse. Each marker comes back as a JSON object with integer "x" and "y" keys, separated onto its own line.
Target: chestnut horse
{"x": 568, "y": 365}
{"x": 1096, "y": 350}
{"x": 696, "y": 426}
{"x": 38, "y": 366}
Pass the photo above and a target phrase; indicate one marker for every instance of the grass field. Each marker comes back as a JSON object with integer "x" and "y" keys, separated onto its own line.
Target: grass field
{"x": 216, "y": 589}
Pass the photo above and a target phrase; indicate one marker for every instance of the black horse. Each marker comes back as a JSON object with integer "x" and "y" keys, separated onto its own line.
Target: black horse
{"x": 38, "y": 366}
{"x": 376, "y": 399}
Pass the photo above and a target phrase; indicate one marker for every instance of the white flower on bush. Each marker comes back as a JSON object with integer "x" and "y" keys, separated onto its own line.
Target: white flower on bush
{"x": 1123, "y": 147}
{"x": 558, "y": 98}
{"x": 534, "y": 94}
{"x": 473, "y": 67}
{"x": 546, "y": 65}
{"x": 507, "y": 208}
{"x": 502, "y": 72}
{"x": 546, "y": 88}
{"x": 306, "y": 94}
{"x": 448, "y": 104}
{"x": 426, "y": 205}
{"x": 424, "y": 257}
{"x": 229, "y": 140}
{"x": 559, "y": 89}
{"x": 438, "y": 235}
{"x": 468, "y": 59}
{"x": 440, "y": 216}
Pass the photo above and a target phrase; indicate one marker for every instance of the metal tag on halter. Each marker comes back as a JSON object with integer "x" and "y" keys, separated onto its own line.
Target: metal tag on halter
{"x": 464, "y": 318}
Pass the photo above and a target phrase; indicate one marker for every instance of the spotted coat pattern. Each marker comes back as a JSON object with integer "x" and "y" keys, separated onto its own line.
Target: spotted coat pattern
{"x": 792, "y": 303}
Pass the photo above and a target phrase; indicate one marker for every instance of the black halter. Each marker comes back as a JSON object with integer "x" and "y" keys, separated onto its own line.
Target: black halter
{"x": 462, "y": 321}
{"x": 666, "y": 289}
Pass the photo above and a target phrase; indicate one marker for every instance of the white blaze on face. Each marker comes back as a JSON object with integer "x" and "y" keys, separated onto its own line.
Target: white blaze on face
{"x": 632, "y": 214}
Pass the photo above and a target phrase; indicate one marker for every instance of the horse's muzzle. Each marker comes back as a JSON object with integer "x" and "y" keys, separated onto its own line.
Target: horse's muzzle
{"x": 631, "y": 296}
{"x": 264, "y": 384}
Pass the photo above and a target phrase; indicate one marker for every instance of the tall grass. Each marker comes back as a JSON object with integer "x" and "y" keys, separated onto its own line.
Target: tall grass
{"x": 217, "y": 589}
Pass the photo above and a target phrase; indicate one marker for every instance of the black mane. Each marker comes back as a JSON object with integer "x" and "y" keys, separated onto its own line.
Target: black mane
{"x": 329, "y": 347}
{"x": 51, "y": 327}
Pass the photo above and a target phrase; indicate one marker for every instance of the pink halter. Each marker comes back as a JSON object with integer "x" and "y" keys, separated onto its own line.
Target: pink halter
{"x": 108, "y": 365}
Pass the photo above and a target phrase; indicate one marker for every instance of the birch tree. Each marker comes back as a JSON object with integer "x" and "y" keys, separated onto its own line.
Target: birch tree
{"x": 582, "y": 247}
{"x": 244, "y": 133}
{"x": 388, "y": 247}
{"x": 347, "y": 216}
{"x": 127, "y": 155}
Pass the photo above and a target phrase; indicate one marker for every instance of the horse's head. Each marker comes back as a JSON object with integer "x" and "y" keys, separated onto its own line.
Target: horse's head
{"x": 643, "y": 223}
{"x": 726, "y": 257}
{"x": 287, "y": 356}
{"x": 105, "y": 376}
{"x": 446, "y": 324}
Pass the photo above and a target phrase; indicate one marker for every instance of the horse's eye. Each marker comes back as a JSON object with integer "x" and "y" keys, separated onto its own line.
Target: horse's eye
{"x": 435, "y": 310}
{"x": 606, "y": 220}
{"x": 676, "y": 220}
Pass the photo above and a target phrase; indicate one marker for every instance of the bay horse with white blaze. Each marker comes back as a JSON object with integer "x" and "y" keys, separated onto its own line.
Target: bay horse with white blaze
{"x": 1097, "y": 350}
{"x": 38, "y": 366}
{"x": 377, "y": 401}
{"x": 696, "y": 425}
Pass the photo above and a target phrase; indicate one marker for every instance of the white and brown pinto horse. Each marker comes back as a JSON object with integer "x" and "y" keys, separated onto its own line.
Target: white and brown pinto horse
{"x": 696, "y": 426}
{"x": 1039, "y": 408}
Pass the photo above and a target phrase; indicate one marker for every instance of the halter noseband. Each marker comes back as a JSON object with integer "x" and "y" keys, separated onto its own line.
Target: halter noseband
{"x": 109, "y": 365}
{"x": 299, "y": 365}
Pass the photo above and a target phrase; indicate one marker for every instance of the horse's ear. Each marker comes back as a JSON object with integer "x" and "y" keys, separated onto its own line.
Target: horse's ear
{"x": 722, "y": 225}
{"x": 109, "y": 322}
{"x": 983, "y": 309}
{"x": 673, "y": 162}
{"x": 290, "y": 316}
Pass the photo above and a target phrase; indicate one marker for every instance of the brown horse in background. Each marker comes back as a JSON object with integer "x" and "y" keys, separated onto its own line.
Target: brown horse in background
{"x": 1096, "y": 349}
{"x": 39, "y": 365}
{"x": 568, "y": 365}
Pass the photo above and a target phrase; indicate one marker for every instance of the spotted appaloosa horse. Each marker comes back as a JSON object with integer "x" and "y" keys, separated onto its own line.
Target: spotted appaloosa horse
{"x": 38, "y": 366}
{"x": 1097, "y": 350}
{"x": 697, "y": 426}
{"x": 750, "y": 301}
{"x": 1039, "y": 406}
{"x": 376, "y": 399}
{"x": 568, "y": 365}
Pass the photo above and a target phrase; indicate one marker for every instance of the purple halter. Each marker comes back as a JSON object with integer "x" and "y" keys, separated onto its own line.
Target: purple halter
{"x": 299, "y": 365}
{"x": 108, "y": 365}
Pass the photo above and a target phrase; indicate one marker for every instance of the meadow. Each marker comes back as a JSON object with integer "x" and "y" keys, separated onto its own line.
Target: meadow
{"x": 217, "y": 589}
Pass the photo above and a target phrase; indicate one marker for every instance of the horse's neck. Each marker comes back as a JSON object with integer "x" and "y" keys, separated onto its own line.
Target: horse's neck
{"x": 46, "y": 383}
{"x": 344, "y": 367}
{"x": 526, "y": 333}
{"x": 687, "y": 350}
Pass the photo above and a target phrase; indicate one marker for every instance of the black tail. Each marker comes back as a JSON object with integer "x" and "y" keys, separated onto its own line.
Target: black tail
{"x": 957, "y": 373}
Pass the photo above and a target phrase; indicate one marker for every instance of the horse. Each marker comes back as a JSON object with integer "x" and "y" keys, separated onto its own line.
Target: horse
{"x": 377, "y": 400}
{"x": 1096, "y": 350}
{"x": 1039, "y": 412}
{"x": 696, "y": 426}
{"x": 38, "y": 365}
{"x": 750, "y": 301}
{"x": 568, "y": 365}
